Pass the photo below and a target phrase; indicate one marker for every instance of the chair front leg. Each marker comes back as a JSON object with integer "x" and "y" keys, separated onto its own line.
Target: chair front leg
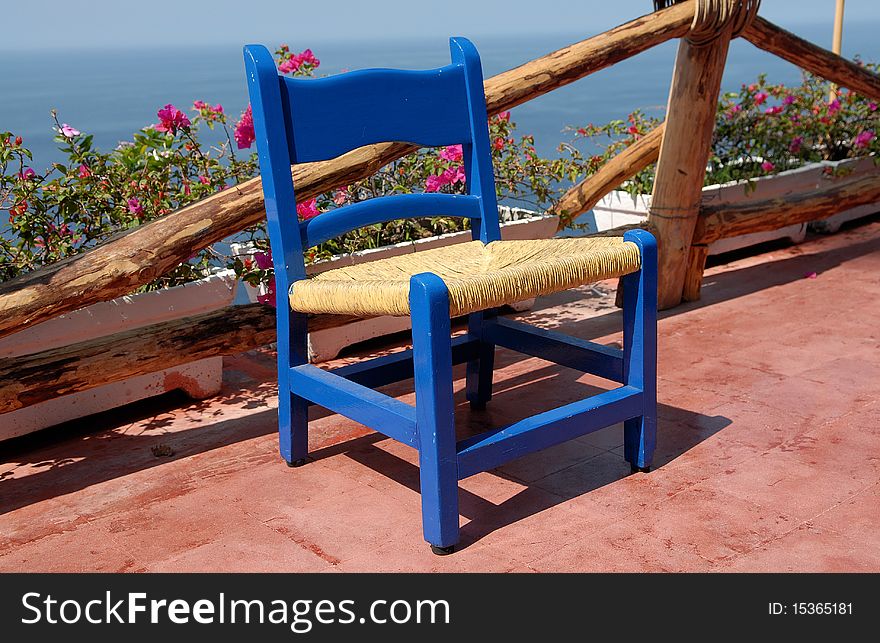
{"x": 435, "y": 411}
{"x": 479, "y": 370}
{"x": 293, "y": 410}
{"x": 640, "y": 351}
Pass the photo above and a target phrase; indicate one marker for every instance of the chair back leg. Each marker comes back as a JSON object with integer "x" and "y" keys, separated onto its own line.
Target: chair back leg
{"x": 640, "y": 350}
{"x": 435, "y": 410}
{"x": 479, "y": 370}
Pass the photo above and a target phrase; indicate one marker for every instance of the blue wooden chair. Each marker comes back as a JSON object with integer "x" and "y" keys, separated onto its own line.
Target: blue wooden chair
{"x": 302, "y": 120}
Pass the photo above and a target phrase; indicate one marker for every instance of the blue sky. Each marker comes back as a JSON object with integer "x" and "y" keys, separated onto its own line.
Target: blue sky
{"x": 61, "y": 24}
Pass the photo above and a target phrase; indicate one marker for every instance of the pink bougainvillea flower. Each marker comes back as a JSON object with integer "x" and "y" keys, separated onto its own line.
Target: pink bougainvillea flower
{"x": 263, "y": 259}
{"x": 499, "y": 143}
{"x": 767, "y": 166}
{"x": 268, "y": 298}
{"x": 760, "y": 97}
{"x": 27, "y": 174}
{"x": 340, "y": 196}
{"x": 504, "y": 116}
{"x": 433, "y": 183}
{"x": 453, "y": 175}
{"x": 872, "y": 107}
{"x": 288, "y": 66}
{"x": 244, "y": 130}
{"x": 864, "y": 138}
{"x": 833, "y": 106}
{"x": 451, "y": 153}
{"x": 208, "y": 112}
{"x": 795, "y": 146}
{"x": 308, "y": 209}
{"x": 171, "y": 119}
{"x": 264, "y": 262}
{"x": 84, "y": 172}
{"x": 772, "y": 111}
{"x": 204, "y": 180}
{"x": 789, "y": 99}
{"x": 294, "y": 63}
{"x": 135, "y": 207}
{"x": 69, "y": 131}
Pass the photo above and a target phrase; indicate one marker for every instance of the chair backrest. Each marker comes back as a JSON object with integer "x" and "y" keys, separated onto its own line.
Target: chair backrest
{"x": 299, "y": 120}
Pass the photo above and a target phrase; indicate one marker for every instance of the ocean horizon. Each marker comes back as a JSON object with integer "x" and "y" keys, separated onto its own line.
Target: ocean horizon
{"x": 113, "y": 93}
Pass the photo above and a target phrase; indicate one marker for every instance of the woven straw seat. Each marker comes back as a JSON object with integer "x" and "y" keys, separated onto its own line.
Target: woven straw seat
{"x": 477, "y": 276}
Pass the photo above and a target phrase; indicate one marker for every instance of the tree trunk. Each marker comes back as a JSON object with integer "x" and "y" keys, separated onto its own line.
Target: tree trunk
{"x": 690, "y": 121}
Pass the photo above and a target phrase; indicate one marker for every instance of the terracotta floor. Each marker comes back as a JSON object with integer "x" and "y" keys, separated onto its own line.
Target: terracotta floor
{"x": 768, "y": 457}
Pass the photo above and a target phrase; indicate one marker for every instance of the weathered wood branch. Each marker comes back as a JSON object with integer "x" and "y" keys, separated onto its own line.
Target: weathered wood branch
{"x": 623, "y": 166}
{"x": 776, "y": 40}
{"x": 42, "y": 376}
{"x": 77, "y": 367}
{"x": 120, "y": 266}
{"x": 833, "y": 195}
{"x": 566, "y": 65}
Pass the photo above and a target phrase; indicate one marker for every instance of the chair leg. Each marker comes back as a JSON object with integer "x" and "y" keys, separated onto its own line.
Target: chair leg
{"x": 640, "y": 351}
{"x": 435, "y": 416}
{"x": 479, "y": 370}
{"x": 293, "y": 411}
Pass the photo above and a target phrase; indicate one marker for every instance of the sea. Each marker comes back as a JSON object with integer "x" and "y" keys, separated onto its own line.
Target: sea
{"x": 113, "y": 93}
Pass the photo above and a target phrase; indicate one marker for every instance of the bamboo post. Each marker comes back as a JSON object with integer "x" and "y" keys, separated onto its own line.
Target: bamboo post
{"x": 684, "y": 152}
{"x": 837, "y": 41}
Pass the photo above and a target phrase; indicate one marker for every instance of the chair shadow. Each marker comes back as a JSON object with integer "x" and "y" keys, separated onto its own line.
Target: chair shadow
{"x": 548, "y": 477}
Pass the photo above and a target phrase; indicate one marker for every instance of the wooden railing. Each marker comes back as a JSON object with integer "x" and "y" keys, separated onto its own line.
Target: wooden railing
{"x": 683, "y": 224}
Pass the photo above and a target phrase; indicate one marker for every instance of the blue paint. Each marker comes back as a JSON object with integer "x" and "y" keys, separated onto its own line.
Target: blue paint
{"x": 435, "y": 410}
{"x": 305, "y": 120}
{"x": 579, "y": 354}
{"x": 493, "y": 448}
{"x": 479, "y": 369}
{"x": 327, "y": 117}
{"x": 388, "y": 369}
{"x": 371, "y": 408}
{"x": 339, "y": 221}
{"x": 640, "y": 349}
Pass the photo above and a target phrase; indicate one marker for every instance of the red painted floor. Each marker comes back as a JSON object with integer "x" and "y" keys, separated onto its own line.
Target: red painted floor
{"x": 768, "y": 457}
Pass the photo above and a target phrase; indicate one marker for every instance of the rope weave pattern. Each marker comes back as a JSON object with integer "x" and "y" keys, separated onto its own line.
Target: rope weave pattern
{"x": 712, "y": 17}
{"x": 477, "y": 276}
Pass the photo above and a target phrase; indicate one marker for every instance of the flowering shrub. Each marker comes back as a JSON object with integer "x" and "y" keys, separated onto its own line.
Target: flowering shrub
{"x": 769, "y": 128}
{"x": 72, "y": 206}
